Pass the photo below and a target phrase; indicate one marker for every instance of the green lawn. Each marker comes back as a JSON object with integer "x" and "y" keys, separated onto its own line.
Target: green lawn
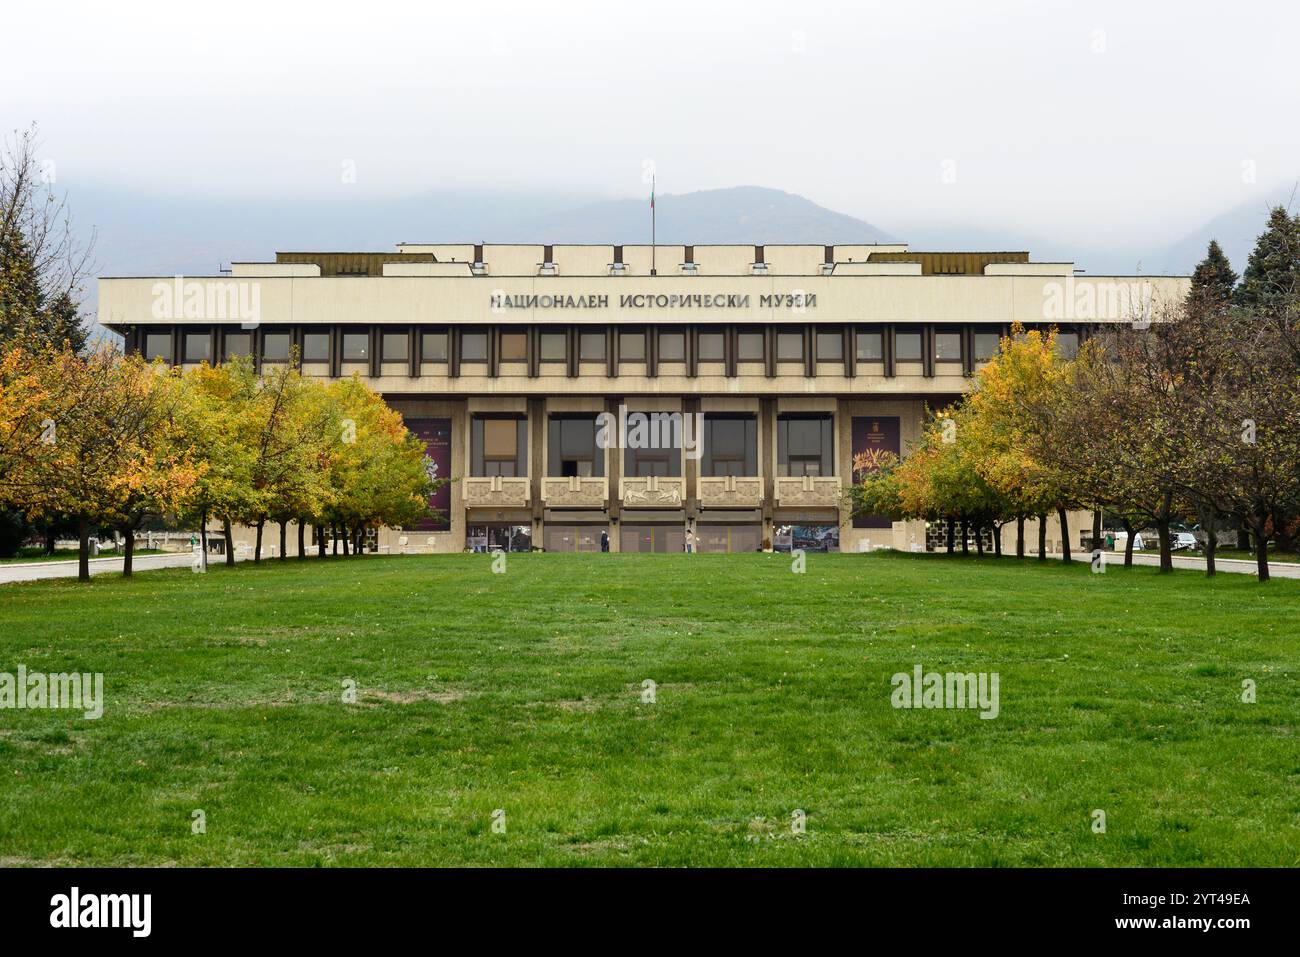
{"x": 522, "y": 691}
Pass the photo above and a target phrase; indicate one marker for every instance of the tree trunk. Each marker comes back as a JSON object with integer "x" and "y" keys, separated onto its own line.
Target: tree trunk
{"x": 1042, "y": 537}
{"x": 1128, "y": 544}
{"x": 50, "y": 539}
{"x": 1162, "y": 529}
{"x": 997, "y": 540}
{"x": 230, "y": 541}
{"x": 1261, "y": 548}
{"x": 321, "y": 544}
{"x": 257, "y": 548}
{"x": 334, "y": 538}
{"x": 951, "y": 534}
{"x": 965, "y": 536}
{"x": 1284, "y": 540}
{"x": 1209, "y": 519}
{"x": 343, "y": 536}
{"x": 979, "y": 539}
{"x": 284, "y": 541}
{"x": 203, "y": 540}
{"x": 1096, "y": 528}
{"x": 1065, "y": 534}
{"x": 302, "y": 538}
{"x": 128, "y": 549}
{"x": 83, "y": 550}
{"x": 1020, "y": 536}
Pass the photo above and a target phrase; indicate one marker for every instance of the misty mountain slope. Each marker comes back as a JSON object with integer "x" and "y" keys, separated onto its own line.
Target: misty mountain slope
{"x": 139, "y": 234}
{"x": 740, "y": 214}
{"x": 1236, "y": 230}
{"x": 144, "y": 234}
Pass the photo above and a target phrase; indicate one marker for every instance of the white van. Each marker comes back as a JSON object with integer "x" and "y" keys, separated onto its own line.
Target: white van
{"x": 1121, "y": 539}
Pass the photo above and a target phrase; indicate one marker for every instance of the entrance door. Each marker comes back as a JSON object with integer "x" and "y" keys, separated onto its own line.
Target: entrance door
{"x": 507, "y": 538}
{"x": 729, "y": 538}
{"x": 652, "y": 538}
{"x": 572, "y": 538}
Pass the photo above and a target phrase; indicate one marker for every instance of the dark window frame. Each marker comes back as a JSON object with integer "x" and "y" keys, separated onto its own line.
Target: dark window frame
{"x": 899, "y": 335}
{"x": 829, "y": 335}
{"x": 555, "y": 451}
{"x": 961, "y": 346}
{"x": 744, "y": 463}
{"x": 624, "y": 334}
{"x": 311, "y": 356}
{"x": 788, "y": 336}
{"x": 442, "y": 333}
{"x": 226, "y": 355}
{"x": 343, "y": 346}
{"x": 979, "y": 333}
{"x": 865, "y": 334}
{"x": 665, "y": 462}
{"x": 384, "y": 335}
{"x": 205, "y": 337}
{"x": 513, "y": 333}
{"x": 484, "y": 466}
{"x": 553, "y": 336}
{"x": 150, "y": 354}
{"x": 678, "y": 335}
{"x": 476, "y": 334}
{"x": 712, "y": 334}
{"x": 795, "y": 464}
{"x": 586, "y": 336}
{"x": 749, "y": 334}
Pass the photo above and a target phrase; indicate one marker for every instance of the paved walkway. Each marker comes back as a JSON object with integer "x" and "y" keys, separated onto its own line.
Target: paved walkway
{"x": 31, "y": 571}
{"x": 1237, "y": 566}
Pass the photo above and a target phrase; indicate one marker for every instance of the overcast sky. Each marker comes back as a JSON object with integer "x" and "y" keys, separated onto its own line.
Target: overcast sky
{"x": 1054, "y": 117}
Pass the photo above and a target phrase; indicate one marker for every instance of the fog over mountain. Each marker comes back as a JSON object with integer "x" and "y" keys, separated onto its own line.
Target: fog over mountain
{"x": 162, "y": 235}
{"x": 149, "y": 235}
{"x": 742, "y": 214}
{"x": 1236, "y": 230}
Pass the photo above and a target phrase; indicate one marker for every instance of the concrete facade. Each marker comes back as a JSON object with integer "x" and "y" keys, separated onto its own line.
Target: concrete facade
{"x": 775, "y": 337}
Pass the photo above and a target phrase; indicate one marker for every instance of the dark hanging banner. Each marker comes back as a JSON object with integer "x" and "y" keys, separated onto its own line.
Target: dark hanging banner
{"x": 436, "y": 435}
{"x": 875, "y": 438}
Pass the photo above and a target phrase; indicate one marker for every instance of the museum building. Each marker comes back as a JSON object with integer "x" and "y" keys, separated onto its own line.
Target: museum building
{"x": 785, "y": 364}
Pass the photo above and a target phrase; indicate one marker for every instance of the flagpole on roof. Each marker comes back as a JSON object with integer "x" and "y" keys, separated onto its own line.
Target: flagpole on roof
{"x": 653, "y": 270}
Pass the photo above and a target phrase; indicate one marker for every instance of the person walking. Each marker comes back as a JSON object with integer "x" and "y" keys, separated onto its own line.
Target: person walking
{"x": 690, "y": 540}
{"x": 604, "y": 541}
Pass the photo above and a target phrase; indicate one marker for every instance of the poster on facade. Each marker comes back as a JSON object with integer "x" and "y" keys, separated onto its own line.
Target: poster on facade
{"x": 436, "y": 436}
{"x": 875, "y": 441}
{"x": 808, "y": 538}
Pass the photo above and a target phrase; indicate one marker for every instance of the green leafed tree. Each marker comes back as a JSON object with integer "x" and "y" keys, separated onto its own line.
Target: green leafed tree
{"x": 1272, "y": 273}
{"x": 43, "y": 265}
{"x": 1214, "y": 275}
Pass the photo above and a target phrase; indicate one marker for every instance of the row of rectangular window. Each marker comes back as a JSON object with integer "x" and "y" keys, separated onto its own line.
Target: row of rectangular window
{"x": 729, "y": 447}
{"x": 553, "y": 346}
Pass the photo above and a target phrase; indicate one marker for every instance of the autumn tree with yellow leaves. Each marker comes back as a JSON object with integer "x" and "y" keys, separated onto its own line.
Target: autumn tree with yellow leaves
{"x": 94, "y": 437}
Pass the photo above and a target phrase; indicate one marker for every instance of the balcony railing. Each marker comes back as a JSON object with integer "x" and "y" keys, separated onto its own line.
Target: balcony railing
{"x": 821, "y": 491}
{"x": 730, "y": 491}
{"x": 653, "y": 491}
{"x": 575, "y": 492}
{"x": 495, "y": 491}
